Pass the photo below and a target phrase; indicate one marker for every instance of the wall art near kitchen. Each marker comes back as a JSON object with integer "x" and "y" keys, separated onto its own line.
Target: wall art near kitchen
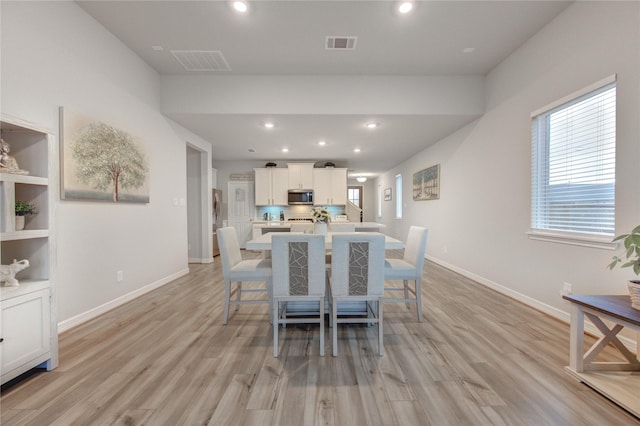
{"x": 426, "y": 184}
{"x": 387, "y": 194}
{"x": 101, "y": 162}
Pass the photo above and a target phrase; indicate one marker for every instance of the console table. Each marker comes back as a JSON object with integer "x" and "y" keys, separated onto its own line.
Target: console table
{"x": 619, "y": 381}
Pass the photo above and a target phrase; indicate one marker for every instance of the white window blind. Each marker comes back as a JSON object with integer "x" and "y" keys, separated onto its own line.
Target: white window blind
{"x": 573, "y": 164}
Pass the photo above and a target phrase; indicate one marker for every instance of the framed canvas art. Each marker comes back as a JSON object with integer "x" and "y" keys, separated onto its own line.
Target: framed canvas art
{"x": 100, "y": 162}
{"x": 426, "y": 184}
{"x": 387, "y": 194}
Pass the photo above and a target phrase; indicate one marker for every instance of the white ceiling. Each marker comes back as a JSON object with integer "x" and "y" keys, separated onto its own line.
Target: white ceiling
{"x": 287, "y": 38}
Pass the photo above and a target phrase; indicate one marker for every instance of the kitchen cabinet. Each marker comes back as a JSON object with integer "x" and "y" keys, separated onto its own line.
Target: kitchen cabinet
{"x": 330, "y": 186}
{"x": 271, "y": 186}
{"x": 28, "y": 327}
{"x": 300, "y": 175}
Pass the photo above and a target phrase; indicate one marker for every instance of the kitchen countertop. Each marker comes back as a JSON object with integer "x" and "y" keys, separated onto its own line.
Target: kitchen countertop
{"x": 287, "y": 224}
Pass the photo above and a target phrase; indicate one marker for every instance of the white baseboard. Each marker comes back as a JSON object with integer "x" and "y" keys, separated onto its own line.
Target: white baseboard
{"x": 99, "y": 310}
{"x": 563, "y": 316}
{"x": 198, "y": 260}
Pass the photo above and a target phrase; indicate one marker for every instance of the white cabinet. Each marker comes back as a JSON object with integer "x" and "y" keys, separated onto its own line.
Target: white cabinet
{"x": 271, "y": 186}
{"x": 300, "y": 175}
{"x": 330, "y": 186}
{"x": 28, "y": 330}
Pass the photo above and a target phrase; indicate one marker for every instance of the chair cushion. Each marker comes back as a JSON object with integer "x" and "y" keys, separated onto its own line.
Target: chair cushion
{"x": 251, "y": 269}
{"x": 398, "y": 269}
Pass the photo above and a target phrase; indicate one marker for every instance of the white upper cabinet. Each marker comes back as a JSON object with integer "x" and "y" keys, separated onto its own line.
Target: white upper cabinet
{"x": 330, "y": 187}
{"x": 271, "y": 186}
{"x": 300, "y": 175}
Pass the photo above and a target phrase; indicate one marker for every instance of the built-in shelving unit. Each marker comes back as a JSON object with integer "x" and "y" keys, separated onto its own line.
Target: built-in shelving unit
{"x": 28, "y": 330}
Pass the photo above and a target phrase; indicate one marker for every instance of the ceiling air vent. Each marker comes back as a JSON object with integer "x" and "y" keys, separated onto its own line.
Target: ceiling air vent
{"x": 340, "y": 43}
{"x": 201, "y": 60}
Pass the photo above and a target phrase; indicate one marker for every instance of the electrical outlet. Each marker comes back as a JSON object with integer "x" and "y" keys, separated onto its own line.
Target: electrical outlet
{"x": 119, "y": 276}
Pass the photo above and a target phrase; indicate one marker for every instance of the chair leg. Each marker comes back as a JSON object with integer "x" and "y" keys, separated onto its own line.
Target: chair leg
{"x": 227, "y": 291}
{"x": 419, "y": 299}
{"x": 406, "y": 293}
{"x": 334, "y": 332}
{"x": 380, "y": 330}
{"x": 322, "y": 326}
{"x": 275, "y": 329}
{"x": 239, "y": 292}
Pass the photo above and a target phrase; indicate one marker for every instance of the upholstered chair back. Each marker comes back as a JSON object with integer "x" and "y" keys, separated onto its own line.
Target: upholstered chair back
{"x": 357, "y": 266}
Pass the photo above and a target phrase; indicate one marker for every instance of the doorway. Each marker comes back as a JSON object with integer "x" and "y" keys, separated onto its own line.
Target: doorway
{"x": 199, "y": 247}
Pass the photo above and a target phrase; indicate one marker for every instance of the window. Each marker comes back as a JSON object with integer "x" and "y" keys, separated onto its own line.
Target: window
{"x": 573, "y": 164}
{"x": 354, "y": 195}
{"x": 379, "y": 206}
{"x": 398, "y": 196}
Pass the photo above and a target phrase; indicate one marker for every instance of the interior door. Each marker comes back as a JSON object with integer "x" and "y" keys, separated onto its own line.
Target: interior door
{"x": 241, "y": 209}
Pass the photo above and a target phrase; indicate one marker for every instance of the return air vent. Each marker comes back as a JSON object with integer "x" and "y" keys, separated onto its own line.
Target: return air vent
{"x": 201, "y": 60}
{"x": 340, "y": 43}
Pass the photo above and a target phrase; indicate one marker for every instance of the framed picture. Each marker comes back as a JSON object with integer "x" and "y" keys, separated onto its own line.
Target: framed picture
{"x": 387, "y": 194}
{"x": 426, "y": 184}
{"x": 100, "y": 162}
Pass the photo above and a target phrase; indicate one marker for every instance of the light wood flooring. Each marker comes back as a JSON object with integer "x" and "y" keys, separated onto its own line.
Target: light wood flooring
{"x": 165, "y": 358}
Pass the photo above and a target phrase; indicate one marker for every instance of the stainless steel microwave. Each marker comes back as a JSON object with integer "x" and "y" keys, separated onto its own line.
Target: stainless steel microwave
{"x": 300, "y": 196}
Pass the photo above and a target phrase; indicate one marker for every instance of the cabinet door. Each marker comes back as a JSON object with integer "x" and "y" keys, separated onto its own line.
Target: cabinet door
{"x": 322, "y": 187}
{"x": 301, "y": 176}
{"x": 280, "y": 186}
{"x": 339, "y": 186}
{"x": 25, "y": 332}
{"x": 262, "y": 187}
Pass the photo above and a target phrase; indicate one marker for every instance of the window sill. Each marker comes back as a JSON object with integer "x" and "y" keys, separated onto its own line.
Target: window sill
{"x": 603, "y": 243}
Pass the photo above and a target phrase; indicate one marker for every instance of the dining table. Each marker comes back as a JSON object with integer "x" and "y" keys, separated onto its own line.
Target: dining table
{"x": 263, "y": 242}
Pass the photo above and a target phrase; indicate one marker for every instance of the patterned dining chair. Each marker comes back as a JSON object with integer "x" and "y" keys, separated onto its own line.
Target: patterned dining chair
{"x": 299, "y": 279}
{"x": 357, "y": 275}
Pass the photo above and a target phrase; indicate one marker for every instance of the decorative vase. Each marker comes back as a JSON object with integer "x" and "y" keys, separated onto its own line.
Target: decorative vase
{"x": 634, "y": 292}
{"x": 19, "y": 223}
{"x": 320, "y": 228}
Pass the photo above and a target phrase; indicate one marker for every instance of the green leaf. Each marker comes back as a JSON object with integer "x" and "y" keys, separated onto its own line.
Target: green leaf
{"x": 619, "y": 237}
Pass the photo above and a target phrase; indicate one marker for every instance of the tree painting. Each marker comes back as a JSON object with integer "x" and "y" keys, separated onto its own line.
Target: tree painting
{"x": 107, "y": 159}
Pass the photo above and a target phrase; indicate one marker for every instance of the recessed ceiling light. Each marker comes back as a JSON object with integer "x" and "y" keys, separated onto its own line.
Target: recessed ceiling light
{"x": 468, "y": 50}
{"x": 240, "y": 6}
{"x": 322, "y": 143}
{"x": 269, "y": 125}
{"x": 356, "y": 150}
{"x": 372, "y": 125}
{"x": 285, "y": 149}
{"x": 405, "y": 7}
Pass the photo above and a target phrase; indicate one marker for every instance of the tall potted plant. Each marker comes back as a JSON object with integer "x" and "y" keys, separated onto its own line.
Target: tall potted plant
{"x": 22, "y": 209}
{"x": 630, "y": 258}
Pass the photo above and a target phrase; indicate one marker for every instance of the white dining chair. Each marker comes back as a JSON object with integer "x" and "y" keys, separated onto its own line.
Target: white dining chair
{"x": 409, "y": 268}
{"x": 357, "y": 275}
{"x": 299, "y": 278}
{"x": 236, "y": 270}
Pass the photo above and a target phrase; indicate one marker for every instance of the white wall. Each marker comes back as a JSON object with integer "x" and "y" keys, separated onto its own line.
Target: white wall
{"x": 53, "y": 54}
{"x": 479, "y": 224}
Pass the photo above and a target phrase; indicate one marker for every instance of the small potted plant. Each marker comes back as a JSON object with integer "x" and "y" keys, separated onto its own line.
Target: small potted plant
{"x": 630, "y": 258}
{"x": 320, "y": 217}
{"x": 22, "y": 209}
